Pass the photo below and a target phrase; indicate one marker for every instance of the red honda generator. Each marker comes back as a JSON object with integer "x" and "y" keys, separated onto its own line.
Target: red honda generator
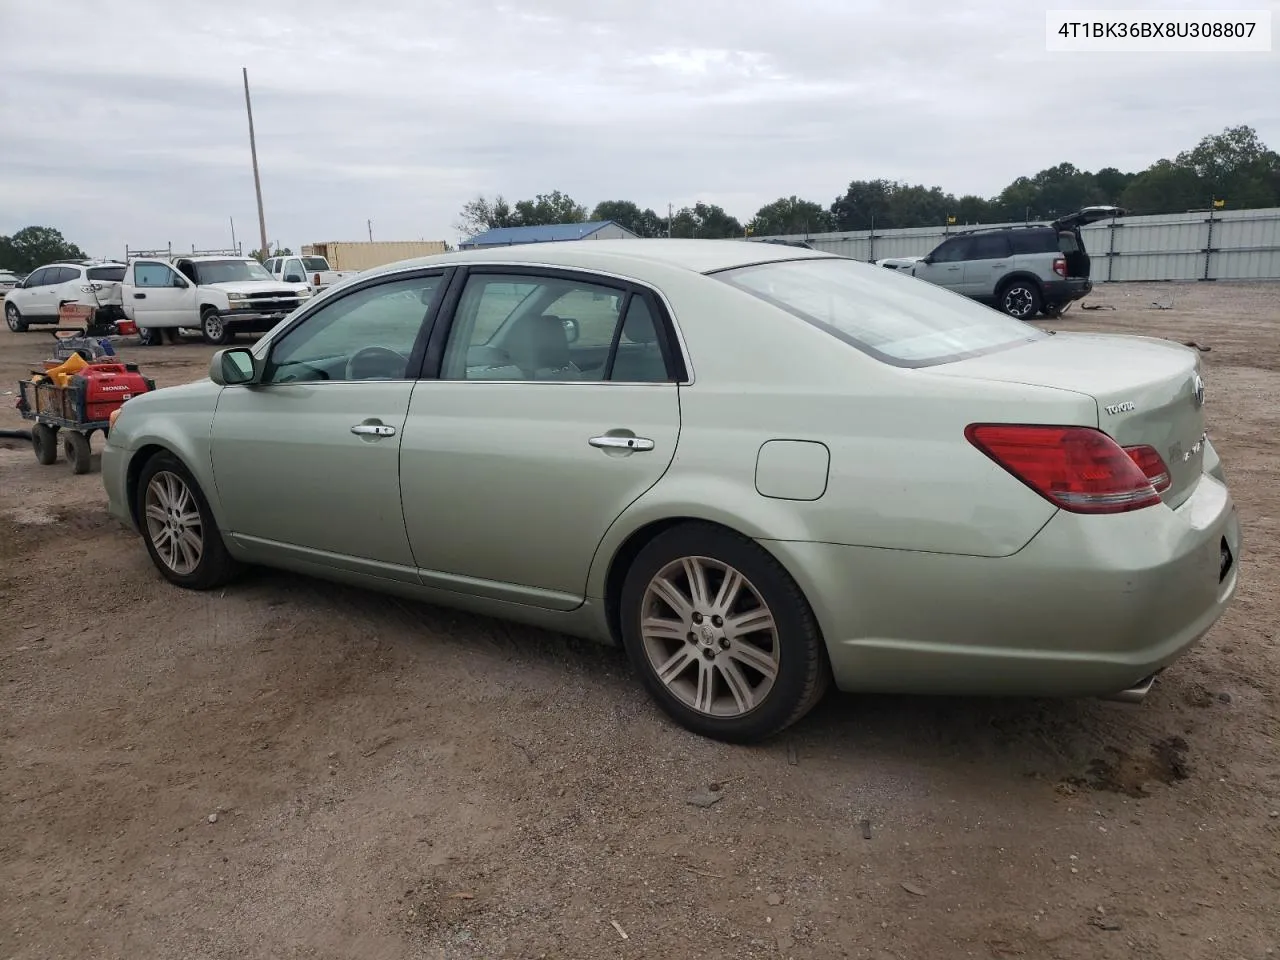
{"x": 76, "y": 399}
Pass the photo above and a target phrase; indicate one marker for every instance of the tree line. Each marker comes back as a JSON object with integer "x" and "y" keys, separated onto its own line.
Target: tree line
{"x": 1234, "y": 167}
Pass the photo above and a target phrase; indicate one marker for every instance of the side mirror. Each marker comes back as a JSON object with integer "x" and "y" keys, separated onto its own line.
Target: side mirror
{"x": 294, "y": 278}
{"x": 232, "y": 367}
{"x": 927, "y": 260}
{"x": 571, "y": 331}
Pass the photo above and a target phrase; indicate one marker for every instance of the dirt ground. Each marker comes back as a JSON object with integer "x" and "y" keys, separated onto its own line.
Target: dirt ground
{"x": 290, "y": 769}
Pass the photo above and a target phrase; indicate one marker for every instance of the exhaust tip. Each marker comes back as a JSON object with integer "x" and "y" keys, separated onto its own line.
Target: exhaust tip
{"x": 1135, "y": 694}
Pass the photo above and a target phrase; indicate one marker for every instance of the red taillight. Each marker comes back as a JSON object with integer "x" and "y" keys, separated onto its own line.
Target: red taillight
{"x": 1060, "y": 267}
{"x": 317, "y": 280}
{"x": 1079, "y": 469}
{"x": 1152, "y": 465}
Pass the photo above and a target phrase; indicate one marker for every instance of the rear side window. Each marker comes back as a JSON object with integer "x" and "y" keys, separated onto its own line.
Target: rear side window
{"x": 65, "y": 275}
{"x": 1033, "y": 241}
{"x": 109, "y": 274}
{"x": 893, "y": 318}
{"x": 988, "y": 246}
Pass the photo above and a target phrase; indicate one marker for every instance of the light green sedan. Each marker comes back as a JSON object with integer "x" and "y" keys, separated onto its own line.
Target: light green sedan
{"x": 761, "y": 469}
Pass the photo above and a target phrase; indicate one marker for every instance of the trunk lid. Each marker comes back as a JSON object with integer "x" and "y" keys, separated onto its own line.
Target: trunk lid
{"x": 1074, "y": 221}
{"x": 1147, "y": 391}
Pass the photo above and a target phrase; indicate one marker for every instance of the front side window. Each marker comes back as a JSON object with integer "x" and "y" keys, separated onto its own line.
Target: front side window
{"x": 39, "y": 279}
{"x": 230, "y": 271}
{"x": 155, "y": 275}
{"x": 515, "y": 327}
{"x": 952, "y": 251}
{"x": 903, "y": 323}
{"x": 369, "y": 334}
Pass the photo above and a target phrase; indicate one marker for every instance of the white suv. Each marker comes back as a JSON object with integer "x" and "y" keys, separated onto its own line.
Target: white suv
{"x": 37, "y": 298}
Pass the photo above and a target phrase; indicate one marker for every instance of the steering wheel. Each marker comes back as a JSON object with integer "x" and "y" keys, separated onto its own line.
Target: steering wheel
{"x": 395, "y": 361}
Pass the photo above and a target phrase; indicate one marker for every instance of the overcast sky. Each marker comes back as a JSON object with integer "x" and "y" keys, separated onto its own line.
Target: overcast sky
{"x": 125, "y": 123}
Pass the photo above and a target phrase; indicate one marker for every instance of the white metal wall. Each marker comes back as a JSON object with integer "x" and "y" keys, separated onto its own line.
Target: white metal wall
{"x": 1222, "y": 245}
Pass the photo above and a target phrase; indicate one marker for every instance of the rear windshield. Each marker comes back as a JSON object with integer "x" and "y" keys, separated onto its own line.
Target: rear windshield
{"x": 315, "y": 263}
{"x": 891, "y": 316}
{"x": 1067, "y": 242}
{"x": 107, "y": 273}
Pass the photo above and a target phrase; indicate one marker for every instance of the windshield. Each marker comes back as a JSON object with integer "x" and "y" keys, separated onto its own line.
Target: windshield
{"x": 315, "y": 263}
{"x": 891, "y": 316}
{"x": 111, "y": 274}
{"x": 7, "y": 277}
{"x": 230, "y": 271}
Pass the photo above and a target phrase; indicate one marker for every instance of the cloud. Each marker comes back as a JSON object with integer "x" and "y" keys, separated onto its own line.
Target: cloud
{"x": 131, "y": 128}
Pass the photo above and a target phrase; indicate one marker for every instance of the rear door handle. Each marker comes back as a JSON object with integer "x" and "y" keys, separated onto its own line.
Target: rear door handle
{"x": 621, "y": 443}
{"x": 373, "y": 430}
{"x": 139, "y": 296}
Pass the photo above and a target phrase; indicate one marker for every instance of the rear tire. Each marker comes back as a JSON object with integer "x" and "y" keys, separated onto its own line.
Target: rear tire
{"x": 739, "y": 662}
{"x": 44, "y": 441}
{"x": 1020, "y": 299}
{"x": 178, "y": 527}
{"x": 75, "y": 447}
{"x": 14, "y": 319}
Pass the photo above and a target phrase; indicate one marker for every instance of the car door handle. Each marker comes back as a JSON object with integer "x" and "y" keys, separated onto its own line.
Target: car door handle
{"x": 139, "y": 296}
{"x": 952, "y": 269}
{"x": 998, "y": 266}
{"x": 621, "y": 443}
{"x": 373, "y": 430}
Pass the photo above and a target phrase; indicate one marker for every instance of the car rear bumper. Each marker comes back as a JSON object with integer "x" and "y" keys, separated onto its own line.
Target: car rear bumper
{"x": 1090, "y": 607}
{"x": 1064, "y": 291}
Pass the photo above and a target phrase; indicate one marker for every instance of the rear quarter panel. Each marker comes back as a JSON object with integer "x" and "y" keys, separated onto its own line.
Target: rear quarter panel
{"x": 902, "y": 476}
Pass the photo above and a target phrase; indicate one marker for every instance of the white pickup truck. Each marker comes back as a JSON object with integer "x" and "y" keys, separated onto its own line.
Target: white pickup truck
{"x": 218, "y": 295}
{"x": 313, "y": 271}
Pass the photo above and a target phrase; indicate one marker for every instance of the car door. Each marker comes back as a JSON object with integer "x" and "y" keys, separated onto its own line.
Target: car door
{"x": 34, "y": 298}
{"x": 556, "y": 406}
{"x": 945, "y": 265}
{"x": 292, "y": 271}
{"x": 306, "y": 461}
{"x": 155, "y": 295}
{"x": 988, "y": 259}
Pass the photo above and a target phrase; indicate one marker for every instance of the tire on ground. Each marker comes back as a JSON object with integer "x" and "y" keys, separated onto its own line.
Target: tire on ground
{"x": 803, "y": 670}
{"x": 215, "y": 567}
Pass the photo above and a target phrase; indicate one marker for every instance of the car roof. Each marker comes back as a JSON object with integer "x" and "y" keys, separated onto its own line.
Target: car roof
{"x": 697, "y": 256}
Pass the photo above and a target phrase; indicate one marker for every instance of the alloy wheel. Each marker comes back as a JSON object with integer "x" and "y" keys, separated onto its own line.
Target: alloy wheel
{"x": 1018, "y": 301}
{"x": 173, "y": 522}
{"x": 710, "y": 637}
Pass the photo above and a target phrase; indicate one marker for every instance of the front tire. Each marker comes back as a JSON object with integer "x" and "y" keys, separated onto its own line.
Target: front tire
{"x": 178, "y": 527}
{"x": 1020, "y": 299}
{"x": 213, "y": 329}
{"x": 721, "y": 635}
{"x": 14, "y": 319}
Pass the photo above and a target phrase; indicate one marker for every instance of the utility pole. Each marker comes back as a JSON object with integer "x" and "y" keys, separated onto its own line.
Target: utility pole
{"x": 669, "y": 216}
{"x": 234, "y": 246}
{"x": 369, "y": 224}
{"x": 257, "y": 182}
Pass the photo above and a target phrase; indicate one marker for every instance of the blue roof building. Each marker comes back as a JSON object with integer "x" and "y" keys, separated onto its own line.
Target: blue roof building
{"x": 549, "y": 233}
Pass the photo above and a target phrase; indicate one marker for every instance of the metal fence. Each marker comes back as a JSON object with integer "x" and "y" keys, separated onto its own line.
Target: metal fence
{"x": 1201, "y": 245}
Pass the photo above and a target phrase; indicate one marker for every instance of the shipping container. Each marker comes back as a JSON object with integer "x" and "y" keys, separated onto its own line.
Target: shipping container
{"x": 364, "y": 255}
